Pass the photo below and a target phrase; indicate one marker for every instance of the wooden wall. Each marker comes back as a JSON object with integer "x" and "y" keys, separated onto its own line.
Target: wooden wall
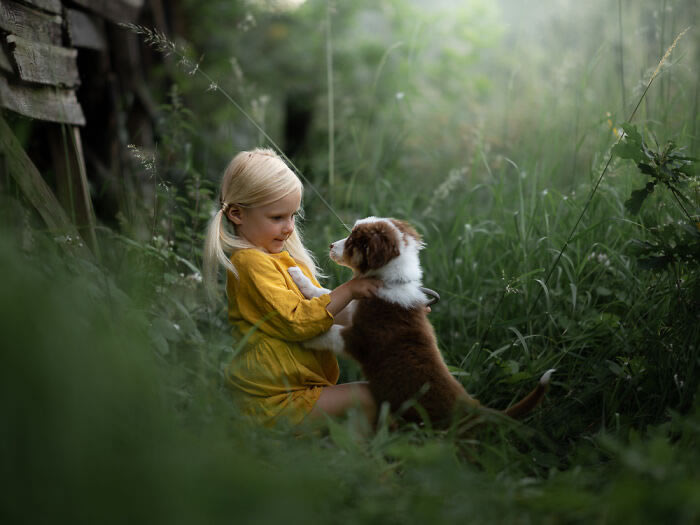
{"x": 82, "y": 82}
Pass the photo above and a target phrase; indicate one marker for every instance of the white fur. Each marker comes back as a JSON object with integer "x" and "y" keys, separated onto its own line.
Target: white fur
{"x": 330, "y": 340}
{"x": 307, "y": 288}
{"x": 544, "y": 380}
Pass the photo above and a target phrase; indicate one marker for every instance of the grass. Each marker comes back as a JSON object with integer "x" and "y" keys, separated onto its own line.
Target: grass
{"x": 112, "y": 380}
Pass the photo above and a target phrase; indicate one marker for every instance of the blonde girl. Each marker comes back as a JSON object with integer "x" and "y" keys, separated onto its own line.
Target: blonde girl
{"x": 254, "y": 237}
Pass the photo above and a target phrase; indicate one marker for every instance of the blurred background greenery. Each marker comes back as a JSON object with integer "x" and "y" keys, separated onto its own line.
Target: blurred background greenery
{"x": 486, "y": 125}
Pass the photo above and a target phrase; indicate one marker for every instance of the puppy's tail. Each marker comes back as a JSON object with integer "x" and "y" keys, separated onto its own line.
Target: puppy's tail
{"x": 530, "y": 401}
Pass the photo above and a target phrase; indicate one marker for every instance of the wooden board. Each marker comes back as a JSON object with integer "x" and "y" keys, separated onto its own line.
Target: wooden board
{"x": 44, "y": 63}
{"x": 29, "y": 23}
{"x": 114, "y": 10}
{"x": 85, "y": 30}
{"x": 35, "y": 189}
{"x": 72, "y": 188}
{"x": 52, "y": 6}
{"x": 41, "y": 102}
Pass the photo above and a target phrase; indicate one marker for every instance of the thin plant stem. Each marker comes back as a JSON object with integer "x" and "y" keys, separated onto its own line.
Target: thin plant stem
{"x": 675, "y": 194}
{"x": 622, "y": 61}
{"x": 331, "y": 116}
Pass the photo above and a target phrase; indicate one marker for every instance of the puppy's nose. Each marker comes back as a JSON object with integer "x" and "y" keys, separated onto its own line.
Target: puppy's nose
{"x": 331, "y": 245}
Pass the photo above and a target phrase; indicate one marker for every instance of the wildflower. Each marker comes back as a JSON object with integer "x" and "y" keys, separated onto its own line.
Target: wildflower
{"x": 602, "y": 258}
{"x": 511, "y": 290}
{"x": 247, "y": 23}
{"x": 148, "y": 162}
{"x": 399, "y": 95}
{"x": 196, "y": 277}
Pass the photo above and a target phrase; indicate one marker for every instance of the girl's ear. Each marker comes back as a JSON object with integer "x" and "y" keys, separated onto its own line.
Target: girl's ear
{"x": 234, "y": 214}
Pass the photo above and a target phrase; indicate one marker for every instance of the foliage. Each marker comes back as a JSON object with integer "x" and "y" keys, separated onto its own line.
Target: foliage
{"x": 668, "y": 166}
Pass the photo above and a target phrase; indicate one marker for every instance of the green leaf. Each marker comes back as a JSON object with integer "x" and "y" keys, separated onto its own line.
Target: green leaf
{"x": 634, "y": 203}
{"x": 633, "y": 136}
{"x": 627, "y": 150}
{"x": 646, "y": 169}
{"x": 631, "y": 146}
{"x": 655, "y": 263}
{"x": 688, "y": 169}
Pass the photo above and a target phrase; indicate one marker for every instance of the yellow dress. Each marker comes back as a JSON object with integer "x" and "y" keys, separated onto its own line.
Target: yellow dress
{"x": 272, "y": 373}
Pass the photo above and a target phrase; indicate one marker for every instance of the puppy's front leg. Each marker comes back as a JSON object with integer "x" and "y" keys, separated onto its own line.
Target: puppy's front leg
{"x": 307, "y": 288}
{"x": 331, "y": 340}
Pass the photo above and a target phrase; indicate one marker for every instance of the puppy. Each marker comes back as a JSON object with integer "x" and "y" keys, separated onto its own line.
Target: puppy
{"x": 390, "y": 335}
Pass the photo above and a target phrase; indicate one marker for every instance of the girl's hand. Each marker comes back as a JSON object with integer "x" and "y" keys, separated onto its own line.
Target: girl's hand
{"x": 353, "y": 289}
{"x": 363, "y": 287}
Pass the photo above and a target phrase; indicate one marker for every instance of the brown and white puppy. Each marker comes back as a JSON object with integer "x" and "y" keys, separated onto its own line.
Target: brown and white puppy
{"x": 390, "y": 335}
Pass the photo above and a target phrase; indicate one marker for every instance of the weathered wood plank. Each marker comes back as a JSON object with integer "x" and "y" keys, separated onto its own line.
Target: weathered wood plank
{"x": 29, "y": 23}
{"x": 44, "y": 63}
{"x": 86, "y": 30}
{"x": 72, "y": 186}
{"x": 41, "y": 102}
{"x": 53, "y": 6}
{"x": 114, "y": 10}
{"x": 35, "y": 189}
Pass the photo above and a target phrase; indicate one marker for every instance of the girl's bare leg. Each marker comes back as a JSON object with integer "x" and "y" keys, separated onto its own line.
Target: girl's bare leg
{"x": 336, "y": 400}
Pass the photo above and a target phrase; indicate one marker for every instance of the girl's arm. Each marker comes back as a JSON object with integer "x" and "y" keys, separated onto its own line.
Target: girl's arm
{"x": 353, "y": 289}
{"x": 341, "y": 296}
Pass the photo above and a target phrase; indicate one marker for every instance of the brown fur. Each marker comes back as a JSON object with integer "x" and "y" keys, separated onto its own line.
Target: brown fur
{"x": 397, "y": 351}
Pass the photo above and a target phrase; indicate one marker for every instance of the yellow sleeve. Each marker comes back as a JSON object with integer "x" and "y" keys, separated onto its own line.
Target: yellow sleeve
{"x": 263, "y": 289}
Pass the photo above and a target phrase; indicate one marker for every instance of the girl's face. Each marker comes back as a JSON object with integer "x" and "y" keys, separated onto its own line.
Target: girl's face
{"x": 268, "y": 226}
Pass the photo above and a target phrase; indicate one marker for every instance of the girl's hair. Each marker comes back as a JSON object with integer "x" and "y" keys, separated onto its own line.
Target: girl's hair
{"x": 253, "y": 178}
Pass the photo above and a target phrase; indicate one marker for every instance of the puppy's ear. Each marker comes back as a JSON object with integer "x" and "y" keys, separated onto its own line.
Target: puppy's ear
{"x": 355, "y": 251}
{"x": 381, "y": 248}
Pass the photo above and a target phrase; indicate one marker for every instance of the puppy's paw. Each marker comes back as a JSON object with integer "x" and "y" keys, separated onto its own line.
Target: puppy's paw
{"x": 297, "y": 275}
{"x": 307, "y": 288}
